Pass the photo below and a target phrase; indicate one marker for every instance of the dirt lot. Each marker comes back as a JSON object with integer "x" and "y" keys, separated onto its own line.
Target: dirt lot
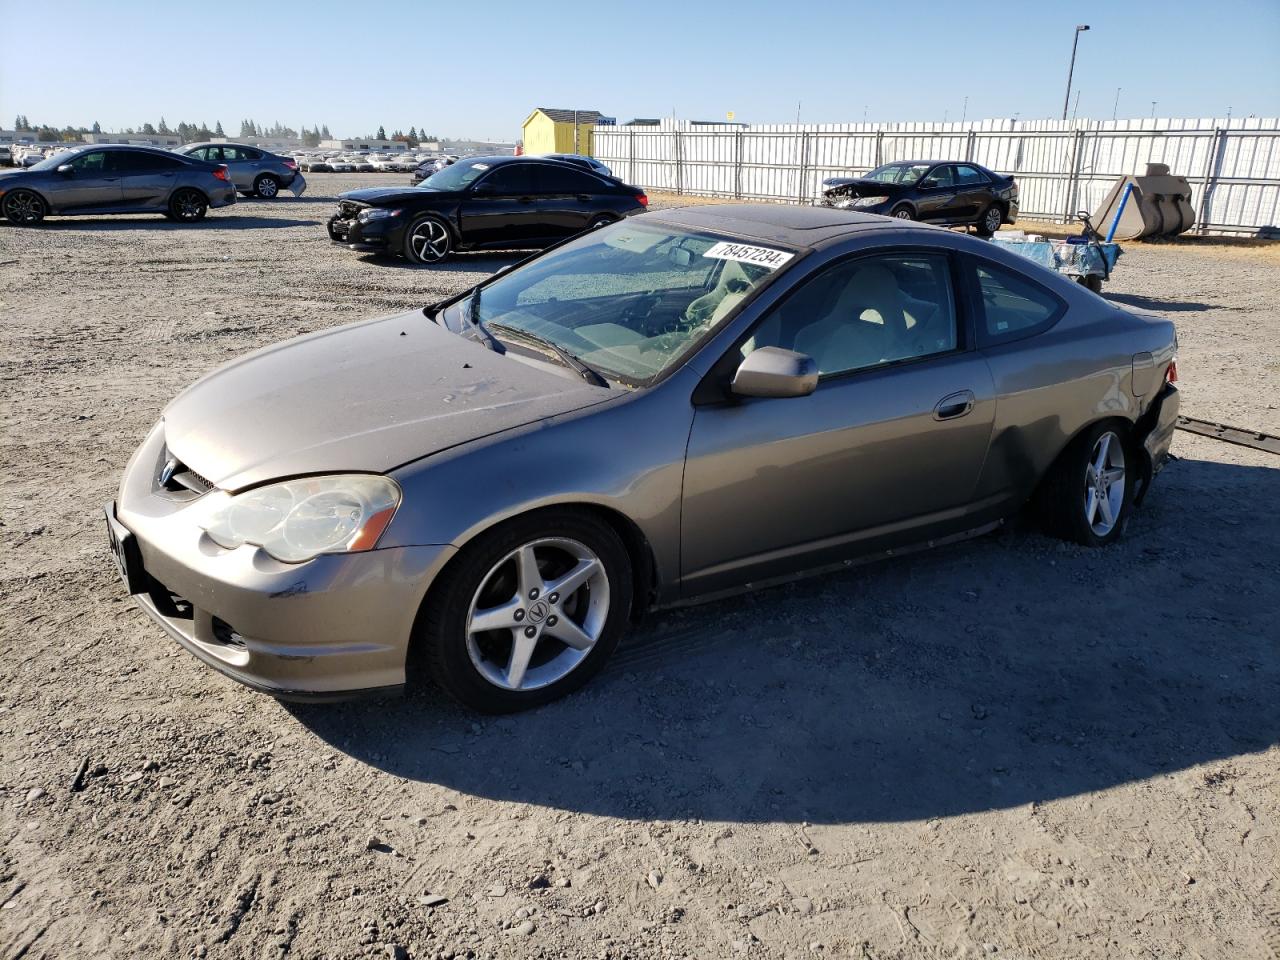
{"x": 1009, "y": 748}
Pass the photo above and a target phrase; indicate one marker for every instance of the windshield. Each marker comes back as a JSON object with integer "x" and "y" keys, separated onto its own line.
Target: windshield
{"x": 57, "y": 160}
{"x": 904, "y": 173}
{"x": 455, "y": 177}
{"x": 628, "y": 300}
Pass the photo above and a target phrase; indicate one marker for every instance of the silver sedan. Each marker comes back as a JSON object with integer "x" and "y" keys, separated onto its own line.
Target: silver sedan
{"x": 683, "y": 405}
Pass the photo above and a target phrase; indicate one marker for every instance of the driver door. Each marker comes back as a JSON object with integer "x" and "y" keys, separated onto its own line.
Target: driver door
{"x": 936, "y": 195}
{"x": 92, "y": 184}
{"x": 500, "y": 208}
{"x": 888, "y": 448}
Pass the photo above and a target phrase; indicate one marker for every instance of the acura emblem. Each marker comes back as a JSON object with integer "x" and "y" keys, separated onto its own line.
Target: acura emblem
{"x": 166, "y": 472}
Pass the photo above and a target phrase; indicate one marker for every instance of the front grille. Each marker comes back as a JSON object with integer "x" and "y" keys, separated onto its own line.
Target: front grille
{"x": 349, "y": 209}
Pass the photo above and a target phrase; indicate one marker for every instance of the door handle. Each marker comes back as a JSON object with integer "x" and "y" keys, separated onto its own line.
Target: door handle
{"x": 584, "y": 197}
{"x": 954, "y": 405}
{"x": 526, "y": 200}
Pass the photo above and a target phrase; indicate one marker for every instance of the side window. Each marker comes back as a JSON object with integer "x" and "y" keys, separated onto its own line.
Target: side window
{"x": 152, "y": 162}
{"x": 565, "y": 180}
{"x": 939, "y": 176}
{"x": 966, "y": 175}
{"x": 247, "y": 153}
{"x": 232, "y": 154}
{"x": 89, "y": 163}
{"x": 1012, "y": 305}
{"x": 866, "y": 312}
{"x": 509, "y": 180}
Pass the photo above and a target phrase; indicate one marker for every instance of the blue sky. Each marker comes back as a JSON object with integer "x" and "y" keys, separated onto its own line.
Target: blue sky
{"x": 477, "y": 68}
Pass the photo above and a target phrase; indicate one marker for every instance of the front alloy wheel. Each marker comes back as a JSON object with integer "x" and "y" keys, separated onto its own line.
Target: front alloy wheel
{"x": 427, "y": 241}
{"x": 538, "y": 614}
{"x": 23, "y": 208}
{"x": 527, "y": 612}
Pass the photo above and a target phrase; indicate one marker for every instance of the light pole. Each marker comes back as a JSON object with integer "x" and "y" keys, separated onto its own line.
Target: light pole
{"x": 1075, "y": 41}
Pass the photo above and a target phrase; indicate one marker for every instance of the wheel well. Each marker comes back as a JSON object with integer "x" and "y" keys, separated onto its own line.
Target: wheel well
{"x": 43, "y": 198}
{"x": 643, "y": 566}
{"x": 1123, "y": 425}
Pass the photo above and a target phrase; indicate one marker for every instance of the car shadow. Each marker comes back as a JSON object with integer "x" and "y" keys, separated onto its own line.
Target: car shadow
{"x": 223, "y": 221}
{"x": 1162, "y": 305}
{"x": 1006, "y": 671}
{"x": 469, "y": 262}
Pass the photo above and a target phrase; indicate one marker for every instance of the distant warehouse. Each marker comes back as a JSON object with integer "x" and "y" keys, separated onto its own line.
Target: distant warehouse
{"x": 552, "y": 130}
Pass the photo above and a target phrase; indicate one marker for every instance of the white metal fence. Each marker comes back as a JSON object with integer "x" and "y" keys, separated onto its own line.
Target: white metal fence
{"x": 1233, "y": 165}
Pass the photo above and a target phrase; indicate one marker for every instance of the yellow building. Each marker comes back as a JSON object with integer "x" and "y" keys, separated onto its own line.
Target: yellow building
{"x": 549, "y": 130}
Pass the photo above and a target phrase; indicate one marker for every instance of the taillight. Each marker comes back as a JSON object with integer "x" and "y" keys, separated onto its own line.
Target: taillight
{"x": 1171, "y": 371}
{"x": 220, "y": 171}
{"x": 643, "y": 198}
{"x": 291, "y": 164}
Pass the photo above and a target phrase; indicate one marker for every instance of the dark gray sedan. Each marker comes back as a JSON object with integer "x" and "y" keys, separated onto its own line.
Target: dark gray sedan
{"x": 678, "y": 406}
{"x": 253, "y": 170}
{"x": 115, "y": 179}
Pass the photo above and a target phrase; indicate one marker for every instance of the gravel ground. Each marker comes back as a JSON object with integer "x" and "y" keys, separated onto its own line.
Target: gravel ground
{"x": 1010, "y": 748}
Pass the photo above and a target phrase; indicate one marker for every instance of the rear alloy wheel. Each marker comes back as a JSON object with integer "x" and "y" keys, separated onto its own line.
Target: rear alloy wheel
{"x": 24, "y": 208}
{"x": 991, "y": 221}
{"x": 902, "y": 213}
{"x": 427, "y": 240}
{"x": 528, "y": 612}
{"x": 266, "y": 186}
{"x": 188, "y": 206}
{"x": 599, "y": 222}
{"x": 1087, "y": 495}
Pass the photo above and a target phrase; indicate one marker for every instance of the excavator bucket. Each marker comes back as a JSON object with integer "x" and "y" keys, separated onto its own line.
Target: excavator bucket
{"x": 1158, "y": 206}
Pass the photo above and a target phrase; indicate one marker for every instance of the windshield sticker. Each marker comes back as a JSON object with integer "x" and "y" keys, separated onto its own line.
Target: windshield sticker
{"x": 746, "y": 253}
{"x": 479, "y": 166}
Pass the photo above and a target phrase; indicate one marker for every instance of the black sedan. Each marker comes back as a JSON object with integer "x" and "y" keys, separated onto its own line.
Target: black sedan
{"x": 482, "y": 203}
{"x": 934, "y": 191}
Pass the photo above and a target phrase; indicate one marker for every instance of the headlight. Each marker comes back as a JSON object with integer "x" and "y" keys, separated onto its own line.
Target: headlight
{"x": 377, "y": 213}
{"x": 300, "y": 519}
{"x": 869, "y": 201}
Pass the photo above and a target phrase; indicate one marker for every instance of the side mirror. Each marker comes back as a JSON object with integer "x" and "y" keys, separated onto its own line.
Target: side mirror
{"x": 483, "y": 189}
{"x": 66, "y": 169}
{"x": 775, "y": 372}
{"x": 929, "y": 184}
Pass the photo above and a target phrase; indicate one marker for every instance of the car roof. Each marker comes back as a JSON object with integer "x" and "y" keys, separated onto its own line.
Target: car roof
{"x": 781, "y": 223}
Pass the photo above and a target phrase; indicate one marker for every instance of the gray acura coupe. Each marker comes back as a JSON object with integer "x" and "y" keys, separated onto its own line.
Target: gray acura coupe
{"x": 678, "y": 406}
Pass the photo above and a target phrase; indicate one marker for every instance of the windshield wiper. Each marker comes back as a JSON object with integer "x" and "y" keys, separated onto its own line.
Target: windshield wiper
{"x": 473, "y": 318}
{"x": 583, "y": 370}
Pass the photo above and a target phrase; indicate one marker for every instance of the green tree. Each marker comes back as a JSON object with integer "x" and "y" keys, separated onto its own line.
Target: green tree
{"x": 164, "y": 127}
{"x": 382, "y": 133}
{"x": 97, "y": 127}
{"x": 217, "y": 131}
{"x": 324, "y": 133}
{"x": 148, "y": 130}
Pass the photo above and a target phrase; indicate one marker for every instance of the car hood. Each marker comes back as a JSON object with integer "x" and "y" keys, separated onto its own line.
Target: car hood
{"x": 853, "y": 187}
{"x": 382, "y": 195}
{"x": 367, "y": 397}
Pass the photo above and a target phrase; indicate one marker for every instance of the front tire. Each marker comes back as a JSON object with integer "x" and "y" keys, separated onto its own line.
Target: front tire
{"x": 266, "y": 186}
{"x": 1087, "y": 494}
{"x": 188, "y": 205}
{"x": 902, "y": 213}
{"x": 528, "y": 612}
{"x": 990, "y": 221}
{"x": 24, "y": 208}
{"x": 427, "y": 240}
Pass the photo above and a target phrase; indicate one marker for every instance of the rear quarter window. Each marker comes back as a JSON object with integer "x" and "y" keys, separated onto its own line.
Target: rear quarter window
{"x": 1010, "y": 305}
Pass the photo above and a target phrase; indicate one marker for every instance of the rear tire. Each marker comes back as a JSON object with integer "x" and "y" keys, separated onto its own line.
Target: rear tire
{"x": 1091, "y": 281}
{"x": 24, "y": 208}
{"x": 990, "y": 221}
{"x": 188, "y": 205}
{"x": 600, "y": 221}
{"x": 1086, "y": 495}
{"x": 266, "y": 186}
{"x": 476, "y": 667}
